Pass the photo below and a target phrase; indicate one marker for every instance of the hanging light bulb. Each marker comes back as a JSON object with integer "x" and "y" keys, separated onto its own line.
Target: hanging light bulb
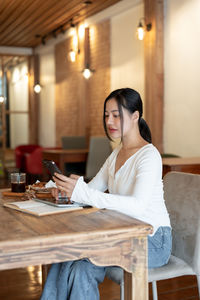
{"x": 140, "y": 31}
{"x": 87, "y": 73}
{"x": 37, "y": 88}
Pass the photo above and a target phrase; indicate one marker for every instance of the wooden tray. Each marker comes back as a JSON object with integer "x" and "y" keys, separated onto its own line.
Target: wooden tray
{"x": 38, "y": 195}
{"x": 11, "y": 194}
{"x": 43, "y": 195}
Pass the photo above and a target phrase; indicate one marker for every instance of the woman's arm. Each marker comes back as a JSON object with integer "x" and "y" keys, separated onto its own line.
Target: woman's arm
{"x": 100, "y": 181}
{"x": 66, "y": 184}
{"x": 148, "y": 174}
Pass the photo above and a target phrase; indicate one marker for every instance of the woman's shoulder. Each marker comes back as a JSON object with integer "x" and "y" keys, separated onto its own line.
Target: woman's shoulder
{"x": 150, "y": 152}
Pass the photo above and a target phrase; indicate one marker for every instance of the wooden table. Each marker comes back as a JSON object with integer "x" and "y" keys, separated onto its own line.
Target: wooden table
{"x": 105, "y": 237}
{"x": 181, "y": 164}
{"x": 62, "y": 156}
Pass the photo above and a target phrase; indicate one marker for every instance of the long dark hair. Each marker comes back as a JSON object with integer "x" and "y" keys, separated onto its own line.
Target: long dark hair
{"x": 130, "y": 100}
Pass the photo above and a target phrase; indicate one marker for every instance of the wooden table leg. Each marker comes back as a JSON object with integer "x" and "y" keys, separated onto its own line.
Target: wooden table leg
{"x": 45, "y": 270}
{"x": 136, "y": 283}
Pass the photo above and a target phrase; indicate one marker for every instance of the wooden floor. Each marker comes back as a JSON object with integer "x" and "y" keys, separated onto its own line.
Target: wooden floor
{"x": 25, "y": 284}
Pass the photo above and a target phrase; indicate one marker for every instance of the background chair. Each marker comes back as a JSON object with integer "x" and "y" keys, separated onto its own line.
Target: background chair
{"x": 99, "y": 150}
{"x": 182, "y": 196}
{"x": 20, "y": 155}
{"x": 29, "y": 160}
{"x": 74, "y": 142}
{"x": 33, "y": 161}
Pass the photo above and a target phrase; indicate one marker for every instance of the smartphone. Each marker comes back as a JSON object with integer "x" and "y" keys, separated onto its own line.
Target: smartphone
{"x": 63, "y": 203}
{"x": 51, "y": 166}
{"x": 58, "y": 203}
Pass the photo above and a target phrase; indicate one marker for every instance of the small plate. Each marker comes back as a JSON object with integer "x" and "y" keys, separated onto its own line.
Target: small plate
{"x": 40, "y": 187}
{"x": 41, "y": 190}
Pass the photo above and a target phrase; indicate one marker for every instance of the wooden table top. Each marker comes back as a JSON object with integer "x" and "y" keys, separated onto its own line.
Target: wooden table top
{"x": 181, "y": 161}
{"x": 17, "y": 227}
{"x": 65, "y": 151}
{"x": 22, "y": 234}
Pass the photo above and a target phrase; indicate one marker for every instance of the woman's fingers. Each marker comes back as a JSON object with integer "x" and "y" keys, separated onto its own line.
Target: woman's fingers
{"x": 74, "y": 176}
{"x": 61, "y": 177}
{"x": 65, "y": 184}
{"x": 54, "y": 193}
{"x": 64, "y": 180}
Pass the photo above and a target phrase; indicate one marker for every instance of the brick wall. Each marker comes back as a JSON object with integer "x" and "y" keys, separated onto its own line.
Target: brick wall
{"x": 79, "y": 102}
{"x": 99, "y": 85}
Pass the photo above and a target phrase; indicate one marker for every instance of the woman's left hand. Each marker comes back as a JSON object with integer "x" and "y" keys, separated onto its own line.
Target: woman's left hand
{"x": 65, "y": 184}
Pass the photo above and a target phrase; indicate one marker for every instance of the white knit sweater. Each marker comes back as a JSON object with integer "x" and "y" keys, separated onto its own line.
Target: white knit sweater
{"x": 135, "y": 190}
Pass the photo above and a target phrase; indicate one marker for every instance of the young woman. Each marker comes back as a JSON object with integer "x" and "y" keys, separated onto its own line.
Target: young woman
{"x": 133, "y": 176}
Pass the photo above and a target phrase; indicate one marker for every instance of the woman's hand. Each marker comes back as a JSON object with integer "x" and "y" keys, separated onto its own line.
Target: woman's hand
{"x": 65, "y": 185}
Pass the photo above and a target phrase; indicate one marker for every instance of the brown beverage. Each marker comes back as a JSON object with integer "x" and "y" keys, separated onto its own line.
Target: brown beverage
{"x": 18, "y": 187}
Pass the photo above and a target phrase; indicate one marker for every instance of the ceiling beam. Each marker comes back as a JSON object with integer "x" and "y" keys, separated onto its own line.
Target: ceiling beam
{"x": 15, "y": 50}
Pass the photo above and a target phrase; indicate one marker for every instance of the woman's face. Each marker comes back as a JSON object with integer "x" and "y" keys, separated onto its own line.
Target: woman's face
{"x": 113, "y": 121}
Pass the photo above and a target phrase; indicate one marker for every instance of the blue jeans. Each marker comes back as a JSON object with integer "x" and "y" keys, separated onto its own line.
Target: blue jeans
{"x": 159, "y": 247}
{"x": 78, "y": 280}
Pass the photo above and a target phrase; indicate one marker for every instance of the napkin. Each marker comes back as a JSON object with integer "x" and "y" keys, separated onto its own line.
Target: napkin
{"x": 50, "y": 184}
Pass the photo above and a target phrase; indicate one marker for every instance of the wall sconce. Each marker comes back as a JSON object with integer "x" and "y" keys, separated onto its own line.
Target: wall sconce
{"x": 142, "y": 28}
{"x": 87, "y": 71}
{"x": 37, "y": 88}
{"x": 75, "y": 43}
{"x": 72, "y": 55}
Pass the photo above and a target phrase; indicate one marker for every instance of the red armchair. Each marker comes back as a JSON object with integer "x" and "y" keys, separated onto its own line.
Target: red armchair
{"x": 33, "y": 161}
{"x": 29, "y": 160}
{"x": 22, "y": 152}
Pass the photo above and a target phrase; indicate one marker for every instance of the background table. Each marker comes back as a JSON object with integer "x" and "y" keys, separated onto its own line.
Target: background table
{"x": 62, "y": 156}
{"x": 105, "y": 237}
{"x": 181, "y": 164}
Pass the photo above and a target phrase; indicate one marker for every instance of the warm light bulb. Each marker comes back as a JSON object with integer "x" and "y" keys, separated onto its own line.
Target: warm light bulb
{"x": 2, "y": 99}
{"x": 37, "y": 88}
{"x": 72, "y": 55}
{"x": 87, "y": 73}
{"x": 140, "y": 32}
{"x": 81, "y": 31}
{"x": 75, "y": 41}
{"x": 72, "y": 31}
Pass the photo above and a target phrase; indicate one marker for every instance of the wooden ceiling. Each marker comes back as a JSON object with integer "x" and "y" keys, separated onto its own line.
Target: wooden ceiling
{"x": 25, "y": 23}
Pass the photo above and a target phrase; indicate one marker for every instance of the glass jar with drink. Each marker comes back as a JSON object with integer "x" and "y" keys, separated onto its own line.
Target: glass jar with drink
{"x": 18, "y": 182}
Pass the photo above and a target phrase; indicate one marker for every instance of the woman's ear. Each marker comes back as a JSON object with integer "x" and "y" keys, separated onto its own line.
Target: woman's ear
{"x": 135, "y": 115}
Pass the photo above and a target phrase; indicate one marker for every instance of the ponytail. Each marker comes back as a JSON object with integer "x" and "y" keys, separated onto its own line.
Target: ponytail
{"x": 144, "y": 130}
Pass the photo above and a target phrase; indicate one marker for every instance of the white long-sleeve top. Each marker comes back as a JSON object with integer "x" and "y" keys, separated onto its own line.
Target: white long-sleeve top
{"x": 136, "y": 189}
